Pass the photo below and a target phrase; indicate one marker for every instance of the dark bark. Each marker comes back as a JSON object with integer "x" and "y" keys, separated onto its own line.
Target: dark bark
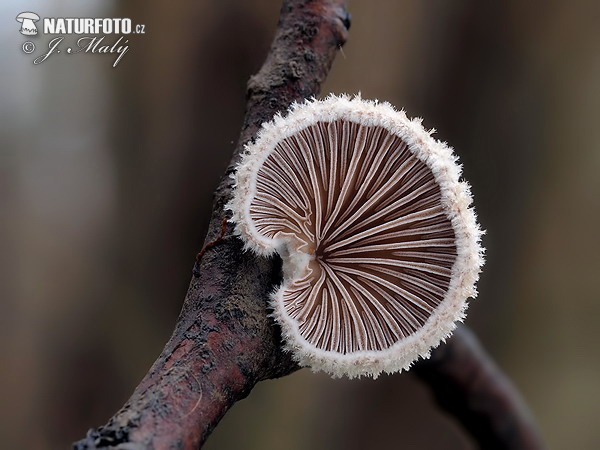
{"x": 470, "y": 386}
{"x": 224, "y": 342}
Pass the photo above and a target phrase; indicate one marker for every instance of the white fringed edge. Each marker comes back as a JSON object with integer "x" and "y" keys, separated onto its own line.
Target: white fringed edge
{"x": 456, "y": 201}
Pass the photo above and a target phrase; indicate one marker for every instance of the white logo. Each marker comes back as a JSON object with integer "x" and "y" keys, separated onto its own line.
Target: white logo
{"x": 93, "y": 35}
{"x": 28, "y": 20}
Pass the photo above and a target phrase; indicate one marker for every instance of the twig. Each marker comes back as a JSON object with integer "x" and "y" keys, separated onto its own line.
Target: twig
{"x": 470, "y": 386}
{"x": 224, "y": 342}
{"x": 223, "y": 335}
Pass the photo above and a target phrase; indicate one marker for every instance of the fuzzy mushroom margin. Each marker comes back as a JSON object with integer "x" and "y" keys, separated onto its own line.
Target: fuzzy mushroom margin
{"x": 456, "y": 203}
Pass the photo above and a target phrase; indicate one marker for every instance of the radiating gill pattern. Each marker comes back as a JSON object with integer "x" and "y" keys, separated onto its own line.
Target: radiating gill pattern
{"x": 369, "y": 213}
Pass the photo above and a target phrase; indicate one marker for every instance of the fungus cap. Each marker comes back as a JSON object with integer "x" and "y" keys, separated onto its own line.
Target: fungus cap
{"x": 380, "y": 246}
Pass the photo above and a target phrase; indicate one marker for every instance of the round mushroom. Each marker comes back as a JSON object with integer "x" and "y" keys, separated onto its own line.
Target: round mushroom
{"x": 27, "y": 19}
{"x": 380, "y": 246}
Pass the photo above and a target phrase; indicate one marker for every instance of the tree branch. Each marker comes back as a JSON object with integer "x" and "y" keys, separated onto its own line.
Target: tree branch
{"x": 470, "y": 386}
{"x": 224, "y": 342}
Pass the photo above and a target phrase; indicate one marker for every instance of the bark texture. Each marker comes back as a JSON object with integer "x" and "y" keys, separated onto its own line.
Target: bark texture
{"x": 224, "y": 342}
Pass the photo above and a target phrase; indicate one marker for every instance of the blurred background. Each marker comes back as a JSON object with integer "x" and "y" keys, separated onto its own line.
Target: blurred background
{"x": 106, "y": 177}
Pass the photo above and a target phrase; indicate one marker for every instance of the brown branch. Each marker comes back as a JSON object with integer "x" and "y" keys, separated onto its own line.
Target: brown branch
{"x": 224, "y": 342}
{"x": 211, "y": 244}
{"x": 470, "y": 386}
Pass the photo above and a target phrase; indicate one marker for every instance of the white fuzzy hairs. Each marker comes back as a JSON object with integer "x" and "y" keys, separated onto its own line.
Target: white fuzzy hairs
{"x": 455, "y": 200}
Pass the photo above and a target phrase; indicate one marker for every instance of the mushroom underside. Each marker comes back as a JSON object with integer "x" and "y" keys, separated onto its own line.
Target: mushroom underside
{"x": 367, "y": 219}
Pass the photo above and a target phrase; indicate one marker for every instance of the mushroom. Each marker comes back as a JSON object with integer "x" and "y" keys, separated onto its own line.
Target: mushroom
{"x": 27, "y": 19}
{"x": 380, "y": 246}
